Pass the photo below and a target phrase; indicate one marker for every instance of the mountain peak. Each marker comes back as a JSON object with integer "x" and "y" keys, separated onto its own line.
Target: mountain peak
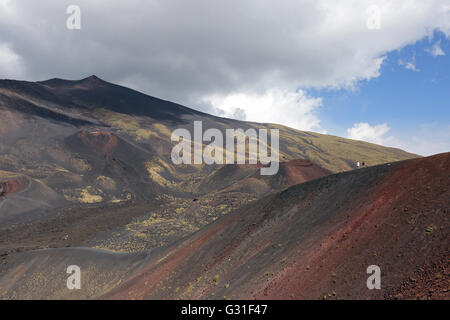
{"x": 90, "y": 82}
{"x": 58, "y": 82}
{"x": 92, "y": 79}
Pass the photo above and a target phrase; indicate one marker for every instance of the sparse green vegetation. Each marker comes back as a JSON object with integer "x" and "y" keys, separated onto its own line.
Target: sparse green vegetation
{"x": 106, "y": 183}
{"x": 125, "y": 123}
{"x": 84, "y": 195}
{"x": 331, "y": 152}
{"x": 80, "y": 165}
{"x": 430, "y": 229}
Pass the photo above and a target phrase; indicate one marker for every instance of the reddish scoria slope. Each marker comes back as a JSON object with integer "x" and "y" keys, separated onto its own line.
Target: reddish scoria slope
{"x": 247, "y": 177}
{"x": 298, "y": 171}
{"x": 315, "y": 241}
{"x": 20, "y": 194}
{"x": 12, "y": 185}
{"x": 100, "y": 141}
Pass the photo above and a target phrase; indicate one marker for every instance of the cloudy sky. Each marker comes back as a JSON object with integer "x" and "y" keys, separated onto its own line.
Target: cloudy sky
{"x": 370, "y": 70}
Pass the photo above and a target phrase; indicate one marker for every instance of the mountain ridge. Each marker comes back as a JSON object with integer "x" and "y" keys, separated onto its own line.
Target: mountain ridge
{"x": 101, "y": 153}
{"x": 392, "y": 215}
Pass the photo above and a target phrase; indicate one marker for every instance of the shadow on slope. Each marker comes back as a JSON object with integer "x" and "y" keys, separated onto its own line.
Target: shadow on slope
{"x": 313, "y": 240}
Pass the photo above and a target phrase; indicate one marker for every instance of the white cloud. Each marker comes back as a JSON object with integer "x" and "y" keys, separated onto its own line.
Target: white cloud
{"x": 188, "y": 50}
{"x": 436, "y": 49}
{"x": 366, "y": 132}
{"x": 426, "y": 140}
{"x": 5, "y": 4}
{"x": 205, "y": 54}
{"x": 410, "y": 65}
{"x": 10, "y": 63}
{"x": 294, "y": 109}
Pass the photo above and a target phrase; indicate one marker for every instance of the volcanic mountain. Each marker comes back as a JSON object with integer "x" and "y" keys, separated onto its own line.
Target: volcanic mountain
{"x": 313, "y": 240}
{"x": 87, "y": 164}
{"x": 97, "y": 145}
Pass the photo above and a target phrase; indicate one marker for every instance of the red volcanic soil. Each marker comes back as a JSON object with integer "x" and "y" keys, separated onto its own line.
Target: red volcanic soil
{"x": 402, "y": 226}
{"x": 315, "y": 241}
{"x": 242, "y": 177}
{"x": 12, "y": 185}
{"x": 99, "y": 141}
{"x": 300, "y": 170}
